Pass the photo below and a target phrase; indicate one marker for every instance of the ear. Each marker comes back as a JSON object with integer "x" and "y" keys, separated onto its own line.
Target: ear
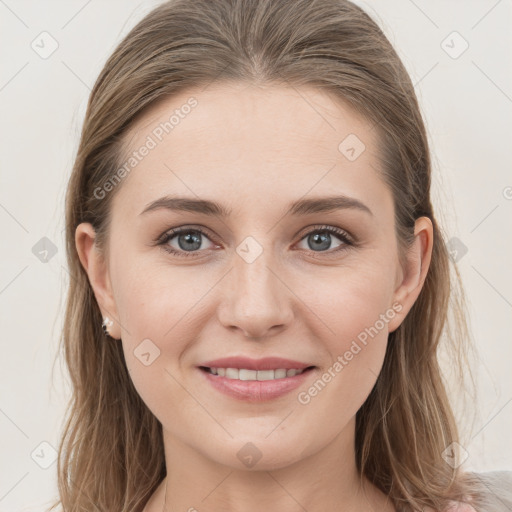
{"x": 97, "y": 270}
{"x": 411, "y": 278}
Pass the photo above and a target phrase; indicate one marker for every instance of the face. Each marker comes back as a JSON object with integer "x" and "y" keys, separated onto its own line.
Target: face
{"x": 273, "y": 274}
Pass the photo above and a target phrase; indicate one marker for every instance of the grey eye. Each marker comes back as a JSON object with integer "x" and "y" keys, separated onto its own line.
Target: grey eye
{"x": 320, "y": 241}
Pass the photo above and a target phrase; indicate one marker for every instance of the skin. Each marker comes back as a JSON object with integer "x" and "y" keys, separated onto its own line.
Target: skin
{"x": 255, "y": 149}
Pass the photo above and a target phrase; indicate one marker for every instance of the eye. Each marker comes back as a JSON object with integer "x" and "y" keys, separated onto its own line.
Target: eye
{"x": 188, "y": 241}
{"x": 320, "y": 239}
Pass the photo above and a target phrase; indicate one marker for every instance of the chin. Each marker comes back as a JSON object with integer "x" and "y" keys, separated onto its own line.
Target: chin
{"x": 260, "y": 452}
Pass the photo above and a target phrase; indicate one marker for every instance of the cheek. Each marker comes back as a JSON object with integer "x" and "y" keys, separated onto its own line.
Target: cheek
{"x": 153, "y": 300}
{"x": 155, "y": 308}
{"x": 356, "y": 310}
{"x": 354, "y": 302}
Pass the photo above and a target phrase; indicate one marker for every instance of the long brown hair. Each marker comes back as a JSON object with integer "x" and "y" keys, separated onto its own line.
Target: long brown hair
{"x": 111, "y": 457}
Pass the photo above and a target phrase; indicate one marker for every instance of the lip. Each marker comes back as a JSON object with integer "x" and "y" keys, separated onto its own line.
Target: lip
{"x": 252, "y": 390}
{"x": 267, "y": 363}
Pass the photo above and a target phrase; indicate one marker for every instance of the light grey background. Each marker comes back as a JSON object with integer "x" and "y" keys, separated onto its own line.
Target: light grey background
{"x": 467, "y": 103}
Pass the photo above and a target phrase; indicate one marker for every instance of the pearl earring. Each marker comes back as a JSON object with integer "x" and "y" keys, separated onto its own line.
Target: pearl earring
{"x": 106, "y": 324}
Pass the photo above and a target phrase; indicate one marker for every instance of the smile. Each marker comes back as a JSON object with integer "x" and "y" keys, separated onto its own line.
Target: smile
{"x": 255, "y": 385}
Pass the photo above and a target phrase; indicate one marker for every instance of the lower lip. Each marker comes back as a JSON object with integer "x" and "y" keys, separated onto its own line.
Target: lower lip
{"x": 255, "y": 390}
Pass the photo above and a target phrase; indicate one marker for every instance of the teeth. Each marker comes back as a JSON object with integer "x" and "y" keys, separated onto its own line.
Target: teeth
{"x": 231, "y": 373}
{"x": 243, "y": 374}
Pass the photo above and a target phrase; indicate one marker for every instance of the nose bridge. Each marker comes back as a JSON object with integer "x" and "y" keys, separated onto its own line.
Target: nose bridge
{"x": 255, "y": 282}
{"x": 257, "y": 299}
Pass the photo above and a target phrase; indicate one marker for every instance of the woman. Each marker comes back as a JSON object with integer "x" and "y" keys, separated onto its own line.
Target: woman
{"x": 260, "y": 284}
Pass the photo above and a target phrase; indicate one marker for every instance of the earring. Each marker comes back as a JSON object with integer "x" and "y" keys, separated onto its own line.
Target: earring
{"x": 106, "y": 324}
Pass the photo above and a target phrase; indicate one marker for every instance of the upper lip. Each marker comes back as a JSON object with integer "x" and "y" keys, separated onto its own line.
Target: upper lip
{"x": 267, "y": 363}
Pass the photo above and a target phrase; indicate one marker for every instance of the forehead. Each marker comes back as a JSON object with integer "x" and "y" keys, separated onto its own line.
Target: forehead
{"x": 254, "y": 142}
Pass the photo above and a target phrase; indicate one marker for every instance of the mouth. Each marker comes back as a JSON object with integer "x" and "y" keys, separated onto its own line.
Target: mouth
{"x": 250, "y": 385}
{"x": 244, "y": 374}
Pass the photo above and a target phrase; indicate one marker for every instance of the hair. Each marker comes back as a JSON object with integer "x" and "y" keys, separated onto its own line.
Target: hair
{"x": 111, "y": 455}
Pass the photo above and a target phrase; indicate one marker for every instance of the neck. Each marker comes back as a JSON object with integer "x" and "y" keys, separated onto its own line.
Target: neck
{"x": 325, "y": 480}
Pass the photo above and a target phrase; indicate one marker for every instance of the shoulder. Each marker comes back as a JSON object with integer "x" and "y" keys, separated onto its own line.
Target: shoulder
{"x": 492, "y": 493}
{"x": 460, "y": 507}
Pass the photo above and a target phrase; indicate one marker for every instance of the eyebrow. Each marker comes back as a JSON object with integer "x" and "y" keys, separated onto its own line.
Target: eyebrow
{"x": 297, "y": 208}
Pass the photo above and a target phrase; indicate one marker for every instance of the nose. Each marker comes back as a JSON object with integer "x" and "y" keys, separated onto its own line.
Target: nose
{"x": 256, "y": 299}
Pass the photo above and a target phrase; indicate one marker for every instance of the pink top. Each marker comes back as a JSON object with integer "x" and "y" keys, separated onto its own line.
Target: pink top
{"x": 460, "y": 507}
{"x": 455, "y": 506}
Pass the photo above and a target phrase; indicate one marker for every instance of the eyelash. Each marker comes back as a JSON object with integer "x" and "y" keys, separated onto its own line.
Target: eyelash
{"x": 168, "y": 235}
